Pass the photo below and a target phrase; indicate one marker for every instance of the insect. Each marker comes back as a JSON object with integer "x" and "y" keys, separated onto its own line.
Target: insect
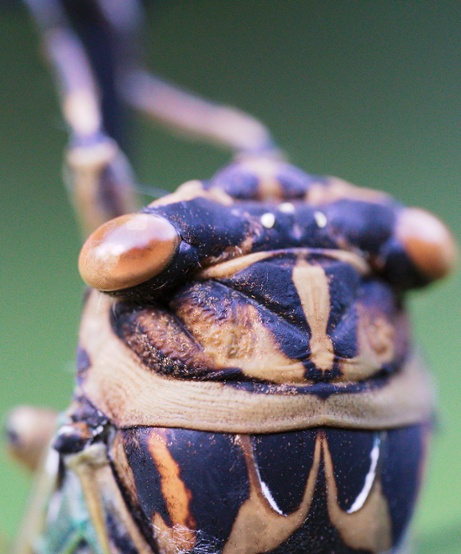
{"x": 244, "y": 377}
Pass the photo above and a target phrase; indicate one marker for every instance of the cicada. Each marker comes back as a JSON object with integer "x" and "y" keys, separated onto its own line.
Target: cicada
{"x": 246, "y": 378}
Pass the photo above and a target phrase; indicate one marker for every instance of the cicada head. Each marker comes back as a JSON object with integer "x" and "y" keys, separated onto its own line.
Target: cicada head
{"x": 248, "y": 342}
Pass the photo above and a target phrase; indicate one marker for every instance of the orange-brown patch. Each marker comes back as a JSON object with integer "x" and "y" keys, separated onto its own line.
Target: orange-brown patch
{"x": 174, "y": 491}
{"x": 164, "y": 337}
{"x": 127, "y": 251}
{"x": 428, "y": 242}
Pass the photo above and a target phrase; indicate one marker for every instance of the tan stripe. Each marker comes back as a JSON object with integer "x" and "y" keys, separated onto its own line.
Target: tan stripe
{"x": 370, "y": 527}
{"x": 258, "y": 527}
{"x": 311, "y": 284}
{"x": 190, "y": 191}
{"x": 227, "y": 269}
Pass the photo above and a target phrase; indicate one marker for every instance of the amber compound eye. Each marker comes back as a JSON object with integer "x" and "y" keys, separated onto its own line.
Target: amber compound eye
{"x": 127, "y": 251}
{"x": 428, "y": 242}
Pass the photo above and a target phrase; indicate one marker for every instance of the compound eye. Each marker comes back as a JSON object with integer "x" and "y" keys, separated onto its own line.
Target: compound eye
{"x": 127, "y": 251}
{"x": 427, "y": 242}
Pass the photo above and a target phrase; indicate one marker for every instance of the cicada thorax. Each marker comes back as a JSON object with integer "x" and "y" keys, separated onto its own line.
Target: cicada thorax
{"x": 315, "y": 490}
{"x": 254, "y": 363}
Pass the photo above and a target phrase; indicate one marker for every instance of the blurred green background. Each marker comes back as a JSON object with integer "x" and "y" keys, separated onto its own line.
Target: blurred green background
{"x": 365, "y": 90}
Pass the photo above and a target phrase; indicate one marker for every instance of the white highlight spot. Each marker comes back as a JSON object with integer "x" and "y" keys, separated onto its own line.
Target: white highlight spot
{"x": 268, "y": 220}
{"x": 268, "y": 496}
{"x": 369, "y": 479}
{"x": 287, "y": 208}
{"x": 267, "y": 493}
{"x": 320, "y": 219}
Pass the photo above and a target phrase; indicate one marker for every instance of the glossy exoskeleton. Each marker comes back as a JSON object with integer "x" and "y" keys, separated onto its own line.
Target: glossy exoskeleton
{"x": 246, "y": 378}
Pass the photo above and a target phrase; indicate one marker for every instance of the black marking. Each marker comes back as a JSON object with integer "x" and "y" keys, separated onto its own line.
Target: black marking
{"x": 146, "y": 475}
{"x": 86, "y": 411}
{"x": 350, "y": 453}
{"x": 320, "y": 389}
{"x": 242, "y": 182}
{"x": 83, "y": 547}
{"x": 317, "y": 535}
{"x": 213, "y": 468}
{"x": 269, "y": 284}
{"x": 363, "y": 224}
{"x": 83, "y": 362}
{"x": 237, "y": 182}
{"x": 86, "y": 425}
{"x": 284, "y": 461}
{"x": 344, "y": 283}
{"x": 401, "y": 474}
{"x": 102, "y": 49}
{"x": 207, "y": 226}
{"x": 126, "y": 324}
{"x": 379, "y": 297}
{"x": 296, "y": 230}
{"x": 70, "y": 440}
{"x": 399, "y": 269}
{"x": 144, "y": 526}
{"x": 295, "y": 183}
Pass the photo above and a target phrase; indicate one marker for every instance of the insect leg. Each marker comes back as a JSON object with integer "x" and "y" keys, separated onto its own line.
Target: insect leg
{"x": 99, "y": 177}
{"x": 172, "y": 106}
{"x": 192, "y": 115}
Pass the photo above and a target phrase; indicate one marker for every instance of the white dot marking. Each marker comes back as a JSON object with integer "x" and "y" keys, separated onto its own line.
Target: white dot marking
{"x": 287, "y": 208}
{"x": 268, "y": 220}
{"x": 320, "y": 219}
